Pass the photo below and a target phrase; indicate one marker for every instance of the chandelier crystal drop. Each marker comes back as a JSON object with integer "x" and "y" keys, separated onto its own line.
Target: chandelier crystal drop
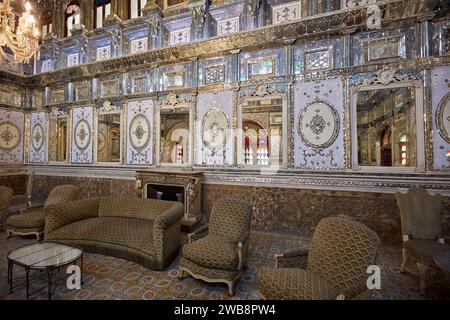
{"x": 22, "y": 41}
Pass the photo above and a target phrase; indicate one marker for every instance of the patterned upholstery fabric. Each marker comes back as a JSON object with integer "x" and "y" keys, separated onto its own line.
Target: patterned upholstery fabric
{"x": 423, "y": 250}
{"x": 294, "y": 284}
{"x": 152, "y": 243}
{"x": 34, "y": 219}
{"x": 340, "y": 252}
{"x": 5, "y": 200}
{"x": 27, "y": 220}
{"x": 61, "y": 194}
{"x": 293, "y": 259}
{"x": 112, "y": 230}
{"x": 230, "y": 219}
{"x": 132, "y": 207}
{"x": 60, "y": 215}
{"x": 5, "y": 197}
{"x": 212, "y": 252}
{"x": 215, "y": 257}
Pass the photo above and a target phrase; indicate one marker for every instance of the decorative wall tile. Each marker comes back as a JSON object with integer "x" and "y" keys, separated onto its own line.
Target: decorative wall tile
{"x": 109, "y": 88}
{"x": 38, "y": 137}
{"x": 82, "y": 133}
{"x": 213, "y": 130}
{"x": 388, "y": 47}
{"x": 180, "y": 36}
{"x": 214, "y": 73}
{"x": 318, "y": 123}
{"x": 47, "y": 66}
{"x": 57, "y": 95}
{"x": 103, "y": 53}
{"x": 440, "y": 78}
{"x": 11, "y": 136}
{"x": 139, "y": 132}
{"x": 228, "y": 26}
{"x": 139, "y": 45}
{"x": 286, "y": 12}
{"x": 73, "y": 59}
{"x": 318, "y": 59}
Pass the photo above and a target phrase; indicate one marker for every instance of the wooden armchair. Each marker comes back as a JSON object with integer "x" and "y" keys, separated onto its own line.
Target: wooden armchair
{"x": 217, "y": 252}
{"x": 421, "y": 219}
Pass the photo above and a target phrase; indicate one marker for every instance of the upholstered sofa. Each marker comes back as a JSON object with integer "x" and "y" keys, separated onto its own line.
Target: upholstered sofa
{"x": 141, "y": 230}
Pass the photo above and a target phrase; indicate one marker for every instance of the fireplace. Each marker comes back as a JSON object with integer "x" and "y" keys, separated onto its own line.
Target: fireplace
{"x": 174, "y": 185}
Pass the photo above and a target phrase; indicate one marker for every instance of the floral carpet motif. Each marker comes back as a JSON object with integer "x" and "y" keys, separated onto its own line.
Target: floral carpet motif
{"x": 112, "y": 278}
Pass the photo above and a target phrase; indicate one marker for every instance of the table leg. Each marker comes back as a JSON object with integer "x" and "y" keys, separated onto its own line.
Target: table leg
{"x": 10, "y": 276}
{"x": 50, "y": 284}
{"x": 27, "y": 270}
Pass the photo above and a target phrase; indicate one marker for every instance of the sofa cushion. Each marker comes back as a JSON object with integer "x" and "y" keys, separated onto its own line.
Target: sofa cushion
{"x": 131, "y": 233}
{"x": 34, "y": 219}
{"x": 294, "y": 284}
{"x": 212, "y": 252}
{"x": 132, "y": 207}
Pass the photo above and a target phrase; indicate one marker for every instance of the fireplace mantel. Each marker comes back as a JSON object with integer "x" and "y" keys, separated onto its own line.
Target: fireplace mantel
{"x": 189, "y": 180}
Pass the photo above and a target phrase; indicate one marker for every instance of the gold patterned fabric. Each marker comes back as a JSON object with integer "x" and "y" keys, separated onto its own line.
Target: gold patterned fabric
{"x": 339, "y": 254}
{"x": 212, "y": 252}
{"x": 294, "y": 284}
{"x": 61, "y": 194}
{"x": 124, "y": 229}
{"x": 220, "y": 255}
{"x": 127, "y": 232}
{"x": 340, "y": 251}
{"x": 6, "y": 195}
{"x": 34, "y": 219}
{"x": 27, "y": 220}
{"x": 230, "y": 219}
{"x": 132, "y": 207}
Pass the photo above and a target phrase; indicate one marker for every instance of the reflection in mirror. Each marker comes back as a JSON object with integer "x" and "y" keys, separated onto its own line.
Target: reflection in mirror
{"x": 57, "y": 146}
{"x": 174, "y": 144}
{"x": 262, "y": 130}
{"x": 108, "y": 145}
{"x": 387, "y": 127}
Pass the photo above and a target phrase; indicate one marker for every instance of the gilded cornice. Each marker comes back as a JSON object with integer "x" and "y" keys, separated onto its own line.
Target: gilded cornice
{"x": 315, "y": 27}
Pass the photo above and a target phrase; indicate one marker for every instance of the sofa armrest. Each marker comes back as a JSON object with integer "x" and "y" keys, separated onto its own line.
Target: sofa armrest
{"x": 166, "y": 234}
{"x": 62, "y": 214}
{"x": 292, "y": 259}
{"x": 199, "y": 233}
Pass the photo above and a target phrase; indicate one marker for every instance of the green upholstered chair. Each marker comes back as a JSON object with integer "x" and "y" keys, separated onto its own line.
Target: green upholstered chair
{"x": 422, "y": 231}
{"x": 6, "y": 195}
{"x": 334, "y": 266}
{"x": 217, "y": 252}
{"x": 31, "y": 221}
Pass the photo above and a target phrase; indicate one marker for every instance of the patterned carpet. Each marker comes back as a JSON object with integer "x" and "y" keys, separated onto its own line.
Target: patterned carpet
{"x": 112, "y": 278}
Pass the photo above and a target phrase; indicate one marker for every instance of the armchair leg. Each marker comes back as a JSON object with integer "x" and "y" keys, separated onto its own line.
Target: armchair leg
{"x": 230, "y": 288}
{"x": 404, "y": 260}
{"x": 181, "y": 274}
{"x": 422, "y": 275}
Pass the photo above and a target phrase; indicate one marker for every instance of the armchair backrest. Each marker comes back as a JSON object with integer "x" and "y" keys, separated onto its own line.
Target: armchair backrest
{"x": 340, "y": 252}
{"x": 420, "y": 214}
{"x": 5, "y": 197}
{"x": 63, "y": 193}
{"x": 230, "y": 219}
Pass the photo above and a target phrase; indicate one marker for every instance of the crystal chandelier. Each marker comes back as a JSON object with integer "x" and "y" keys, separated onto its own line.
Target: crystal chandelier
{"x": 22, "y": 41}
